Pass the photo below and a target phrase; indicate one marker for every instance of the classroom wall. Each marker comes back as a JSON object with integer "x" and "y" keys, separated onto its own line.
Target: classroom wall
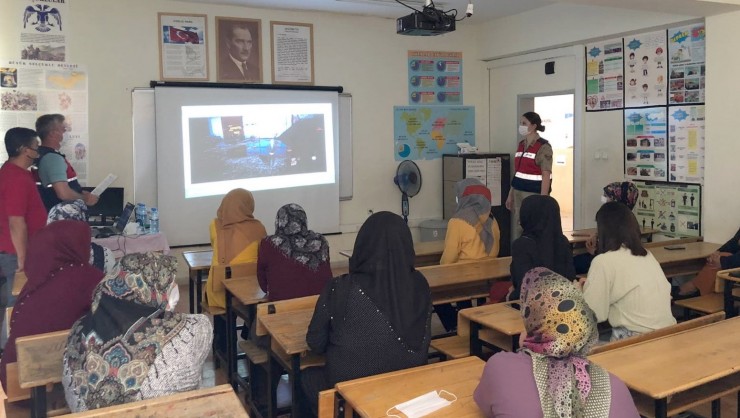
{"x": 602, "y": 131}
{"x": 118, "y": 42}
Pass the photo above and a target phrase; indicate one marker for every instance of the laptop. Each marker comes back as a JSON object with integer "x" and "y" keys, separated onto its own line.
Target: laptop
{"x": 118, "y": 227}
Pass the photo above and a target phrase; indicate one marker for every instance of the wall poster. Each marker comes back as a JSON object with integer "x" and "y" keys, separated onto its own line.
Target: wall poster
{"x": 645, "y": 144}
{"x": 686, "y": 143}
{"x": 42, "y": 37}
{"x": 29, "y": 89}
{"x": 605, "y": 75}
{"x": 645, "y": 69}
{"x": 673, "y": 209}
{"x": 183, "y": 50}
{"x": 686, "y": 48}
{"x": 435, "y": 78}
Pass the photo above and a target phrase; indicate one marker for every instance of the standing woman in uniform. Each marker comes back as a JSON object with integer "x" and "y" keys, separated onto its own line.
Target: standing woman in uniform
{"x": 532, "y": 166}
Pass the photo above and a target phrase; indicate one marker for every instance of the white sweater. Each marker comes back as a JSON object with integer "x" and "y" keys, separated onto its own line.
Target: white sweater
{"x": 630, "y": 291}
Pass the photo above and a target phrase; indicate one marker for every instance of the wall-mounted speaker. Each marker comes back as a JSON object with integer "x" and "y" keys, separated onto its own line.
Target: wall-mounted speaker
{"x": 550, "y": 67}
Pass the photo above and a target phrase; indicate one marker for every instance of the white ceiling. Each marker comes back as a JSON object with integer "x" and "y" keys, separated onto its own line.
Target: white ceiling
{"x": 485, "y": 10}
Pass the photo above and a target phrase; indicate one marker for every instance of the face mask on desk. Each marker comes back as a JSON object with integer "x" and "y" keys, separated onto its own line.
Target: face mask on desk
{"x": 422, "y": 405}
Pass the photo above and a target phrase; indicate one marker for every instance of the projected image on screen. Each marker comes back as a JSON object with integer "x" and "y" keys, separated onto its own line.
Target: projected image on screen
{"x": 231, "y": 148}
{"x": 257, "y": 147}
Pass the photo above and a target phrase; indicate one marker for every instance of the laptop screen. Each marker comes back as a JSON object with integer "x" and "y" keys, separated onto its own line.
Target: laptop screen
{"x": 125, "y": 216}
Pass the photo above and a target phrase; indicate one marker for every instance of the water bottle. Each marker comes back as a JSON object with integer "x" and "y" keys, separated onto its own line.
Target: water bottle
{"x": 154, "y": 221}
{"x": 141, "y": 214}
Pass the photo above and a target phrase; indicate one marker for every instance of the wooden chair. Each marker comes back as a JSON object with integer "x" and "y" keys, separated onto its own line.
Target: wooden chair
{"x": 257, "y": 356}
{"x": 458, "y": 346}
{"x": 683, "y": 326}
{"x": 219, "y": 274}
{"x": 40, "y": 364}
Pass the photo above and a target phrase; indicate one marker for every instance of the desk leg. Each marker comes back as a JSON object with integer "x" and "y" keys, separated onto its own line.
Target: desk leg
{"x": 231, "y": 358}
{"x": 272, "y": 384}
{"x": 191, "y": 291}
{"x": 199, "y": 290}
{"x": 729, "y": 299}
{"x": 661, "y": 408}
{"x": 514, "y": 343}
{"x": 475, "y": 346}
{"x": 716, "y": 409}
{"x": 38, "y": 402}
{"x": 295, "y": 383}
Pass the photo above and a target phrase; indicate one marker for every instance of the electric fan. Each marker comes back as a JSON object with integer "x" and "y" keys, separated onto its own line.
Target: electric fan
{"x": 408, "y": 179}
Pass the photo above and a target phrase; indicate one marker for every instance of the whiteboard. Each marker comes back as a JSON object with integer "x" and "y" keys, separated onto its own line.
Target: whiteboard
{"x": 145, "y": 146}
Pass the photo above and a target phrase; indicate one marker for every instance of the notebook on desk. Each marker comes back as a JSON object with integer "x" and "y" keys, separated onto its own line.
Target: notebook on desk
{"x": 118, "y": 227}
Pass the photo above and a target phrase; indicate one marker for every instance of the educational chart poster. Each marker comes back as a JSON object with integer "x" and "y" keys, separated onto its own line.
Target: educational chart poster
{"x": 686, "y": 48}
{"x": 29, "y": 89}
{"x": 686, "y": 144}
{"x": 42, "y": 36}
{"x": 645, "y": 69}
{"x": 605, "y": 76}
{"x": 428, "y": 132}
{"x": 645, "y": 143}
{"x": 435, "y": 78}
{"x": 674, "y": 209}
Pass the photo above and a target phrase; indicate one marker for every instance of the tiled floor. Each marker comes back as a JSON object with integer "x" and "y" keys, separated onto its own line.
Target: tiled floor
{"x": 213, "y": 377}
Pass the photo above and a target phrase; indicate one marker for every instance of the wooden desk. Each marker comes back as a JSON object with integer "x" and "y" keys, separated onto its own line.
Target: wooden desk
{"x": 219, "y": 401}
{"x": 687, "y": 261}
{"x": 198, "y": 263}
{"x": 447, "y": 276}
{"x": 505, "y": 322}
{"x": 580, "y": 236}
{"x": 427, "y": 253}
{"x": 692, "y": 367}
{"x": 127, "y": 244}
{"x": 371, "y": 396}
{"x": 727, "y": 282}
{"x": 18, "y": 282}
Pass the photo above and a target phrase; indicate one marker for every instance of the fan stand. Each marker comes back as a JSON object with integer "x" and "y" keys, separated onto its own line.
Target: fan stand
{"x": 405, "y": 207}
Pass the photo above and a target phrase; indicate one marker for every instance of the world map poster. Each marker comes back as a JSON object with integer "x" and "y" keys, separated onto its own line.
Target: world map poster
{"x": 428, "y": 132}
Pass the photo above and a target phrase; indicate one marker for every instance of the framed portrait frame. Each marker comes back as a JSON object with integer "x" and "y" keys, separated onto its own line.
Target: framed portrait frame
{"x": 292, "y": 53}
{"x": 238, "y": 50}
{"x": 183, "y": 46}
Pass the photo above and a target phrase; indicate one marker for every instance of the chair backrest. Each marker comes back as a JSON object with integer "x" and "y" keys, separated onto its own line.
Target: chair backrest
{"x": 219, "y": 273}
{"x": 673, "y": 329}
{"x": 40, "y": 358}
{"x": 269, "y": 308}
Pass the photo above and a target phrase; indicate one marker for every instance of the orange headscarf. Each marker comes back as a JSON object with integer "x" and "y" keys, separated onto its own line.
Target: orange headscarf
{"x": 236, "y": 227}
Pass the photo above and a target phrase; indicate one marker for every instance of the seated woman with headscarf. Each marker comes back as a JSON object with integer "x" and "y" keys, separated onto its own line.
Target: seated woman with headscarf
{"x": 625, "y": 283}
{"x": 60, "y": 284}
{"x": 375, "y": 319}
{"x": 235, "y": 237}
{"x": 472, "y": 234}
{"x": 295, "y": 261}
{"x": 132, "y": 346}
{"x": 625, "y": 192}
{"x": 542, "y": 243}
{"x": 101, "y": 257}
{"x": 551, "y": 376}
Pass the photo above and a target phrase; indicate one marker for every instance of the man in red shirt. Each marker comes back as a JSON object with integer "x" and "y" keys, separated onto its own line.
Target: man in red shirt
{"x": 21, "y": 211}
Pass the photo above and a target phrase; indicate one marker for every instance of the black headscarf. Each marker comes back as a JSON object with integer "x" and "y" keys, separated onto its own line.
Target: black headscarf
{"x": 382, "y": 265}
{"x": 540, "y": 220}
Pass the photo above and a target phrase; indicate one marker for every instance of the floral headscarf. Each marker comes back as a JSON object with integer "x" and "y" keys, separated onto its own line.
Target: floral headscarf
{"x": 109, "y": 351}
{"x": 295, "y": 240}
{"x": 561, "y": 329}
{"x": 625, "y": 192}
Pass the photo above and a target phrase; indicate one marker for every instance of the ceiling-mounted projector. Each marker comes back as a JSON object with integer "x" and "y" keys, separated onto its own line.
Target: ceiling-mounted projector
{"x": 428, "y": 22}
